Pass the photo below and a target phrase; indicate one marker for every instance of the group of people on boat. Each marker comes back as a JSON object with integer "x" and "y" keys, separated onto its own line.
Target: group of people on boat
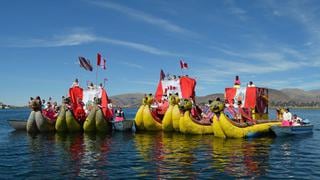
{"x": 50, "y": 109}
{"x": 287, "y": 119}
{"x": 159, "y": 107}
{"x": 239, "y": 113}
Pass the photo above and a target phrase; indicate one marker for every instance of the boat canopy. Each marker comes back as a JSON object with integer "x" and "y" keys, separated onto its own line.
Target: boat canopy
{"x": 183, "y": 86}
{"x": 254, "y": 98}
{"x": 87, "y": 97}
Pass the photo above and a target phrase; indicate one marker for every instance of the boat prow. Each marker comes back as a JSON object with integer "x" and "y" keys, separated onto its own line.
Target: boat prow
{"x": 292, "y": 130}
{"x": 232, "y": 129}
{"x": 124, "y": 125}
{"x": 18, "y": 125}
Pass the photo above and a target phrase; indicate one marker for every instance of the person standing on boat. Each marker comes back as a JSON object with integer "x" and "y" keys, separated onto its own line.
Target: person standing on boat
{"x": 119, "y": 114}
{"x": 237, "y": 82}
{"x": 75, "y": 83}
{"x": 251, "y": 84}
{"x": 287, "y": 118}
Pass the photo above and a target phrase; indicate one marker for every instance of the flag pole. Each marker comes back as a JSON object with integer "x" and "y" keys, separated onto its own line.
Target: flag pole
{"x": 97, "y": 74}
{"x": 181, "y": 68}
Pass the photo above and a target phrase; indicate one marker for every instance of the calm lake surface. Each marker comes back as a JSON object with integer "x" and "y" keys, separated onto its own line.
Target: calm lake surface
{"x": 146, "y": 155}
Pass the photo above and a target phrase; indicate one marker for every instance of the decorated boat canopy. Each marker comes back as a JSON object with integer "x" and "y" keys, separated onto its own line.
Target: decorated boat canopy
{"x": 78, "y": 95}
{"x": 251, "y": 97}
{"x": 184, "y": 86}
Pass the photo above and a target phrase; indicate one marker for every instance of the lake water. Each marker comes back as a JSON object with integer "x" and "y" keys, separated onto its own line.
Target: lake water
{"x": 146, "y": 155}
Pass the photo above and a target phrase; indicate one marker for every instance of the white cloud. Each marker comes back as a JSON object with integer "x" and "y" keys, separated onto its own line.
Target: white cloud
{"x": 235, "y": 10}
{"x": 137, "y": 46}
{"x": 72, "y": 39}
{"x": 133, "y": 65}
{"x": 139, "y": 15}
{"x": 80, "y": 38}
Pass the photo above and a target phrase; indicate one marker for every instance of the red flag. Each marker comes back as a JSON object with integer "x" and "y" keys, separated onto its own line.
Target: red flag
{"x": 98, "y": 59}
{"x": 183, "y": 65}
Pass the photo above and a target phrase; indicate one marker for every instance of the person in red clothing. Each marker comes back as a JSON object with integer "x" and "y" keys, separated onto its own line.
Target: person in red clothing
{"x": 79, "y": 113}
{"x": 237, "y": 82}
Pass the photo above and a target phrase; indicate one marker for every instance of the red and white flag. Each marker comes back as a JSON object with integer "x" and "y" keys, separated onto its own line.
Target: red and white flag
{"x": 100, "y": 62}
{"x": 183, "y": 65}
{"x": 87, "y": 96}
{"x": 184, "y": 86}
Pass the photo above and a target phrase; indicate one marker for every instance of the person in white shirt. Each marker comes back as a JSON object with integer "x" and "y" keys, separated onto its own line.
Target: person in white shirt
{"x": 287, "y": 118}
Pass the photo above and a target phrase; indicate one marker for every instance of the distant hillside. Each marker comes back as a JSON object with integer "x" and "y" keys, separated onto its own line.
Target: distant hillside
{"x": 127, "y": 100}
{"x": 284, "y": 97}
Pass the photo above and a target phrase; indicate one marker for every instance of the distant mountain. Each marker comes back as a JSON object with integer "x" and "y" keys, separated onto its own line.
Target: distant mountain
{"x": 127, "y": 100}
{"x": 283, "y": 97}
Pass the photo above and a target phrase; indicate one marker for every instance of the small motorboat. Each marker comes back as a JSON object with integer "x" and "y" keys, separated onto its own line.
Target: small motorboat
{"x": 19, "y": 125}
{"x": 123, "y": 125}
{"x": 292, "y": 130}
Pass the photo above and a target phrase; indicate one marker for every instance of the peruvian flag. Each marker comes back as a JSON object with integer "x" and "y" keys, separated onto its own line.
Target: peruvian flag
{"x": 184, "y": 87}
{"x": 100, "y": 62}
{"x": 87, "y": 97}
{"x": 183, "y": 64}
{"x": 247, "y": 96}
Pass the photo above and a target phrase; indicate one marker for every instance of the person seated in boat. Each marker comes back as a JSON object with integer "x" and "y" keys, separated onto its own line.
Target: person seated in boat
{"x": 80, "y": 113}
{"x": 297, "y": 121}
{"x": 245, "y": 114}
{"x": 207, "y": 117}
{"x": 49, "y": 112}
{"x": 110, "y": 107}
{"x": 237, "y": 82}
{"x": 56, "y": 111}
{"x": 154, "y": 105}
{"x": 68, "y": 104}
{"x": 230, "y": 110}
{"x": 119, "y": 114}
{"x": 75, "y": 83}
{"x": 54, "y": 105}
{"x": 195, "y": 110}
{"x": 43, "y": 104}
{"x": 238, "y": 117}
{"x": 251, "y": 84}
{"x": 287, "y": 117}
{"x": 206, "y": 108}
{"x": 163, "y": 105}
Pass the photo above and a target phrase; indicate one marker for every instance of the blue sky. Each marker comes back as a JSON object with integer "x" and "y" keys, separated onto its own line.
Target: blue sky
{"x": 273, "y": 43}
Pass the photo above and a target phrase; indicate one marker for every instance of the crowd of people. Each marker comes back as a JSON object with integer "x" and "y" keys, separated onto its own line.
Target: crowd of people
{"x": 51, "y": 109}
